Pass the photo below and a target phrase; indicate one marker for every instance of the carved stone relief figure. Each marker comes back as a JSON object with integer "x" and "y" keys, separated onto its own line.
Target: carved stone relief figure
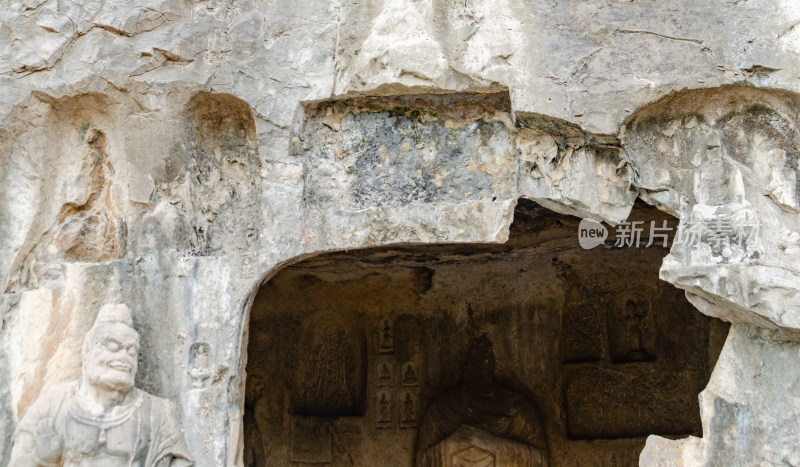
{"x": 723, "y": 232}
{"x": 385, "y": 374}
{"x": 635, "y": 325}
{"x": 101, "y": 419}
{"x": 384, "y": 410}
{"x": 199, "y": 371}
{"x": 387, "y": 337}
{"x": 782, "y": 185}
{"x": 330, "y": 377}
{"x": 498, "y": 419}
{"x": 408, "y": 408}
{"x": 408, "y": 417}
{"x": 409, "y": 375}
{"x": 471, "y": 447}
{"x": 631, "y": 330}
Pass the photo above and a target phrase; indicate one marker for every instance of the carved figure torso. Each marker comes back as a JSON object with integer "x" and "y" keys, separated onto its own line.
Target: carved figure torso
{"x": 138, "y": 432}
{"x": 112, "y": 440}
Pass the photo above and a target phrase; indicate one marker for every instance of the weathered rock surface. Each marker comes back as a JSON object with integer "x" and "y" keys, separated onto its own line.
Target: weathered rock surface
{"x": 742, "y": 422}
{"x": 725, "y": 161}
{"x": 173, "y": 155}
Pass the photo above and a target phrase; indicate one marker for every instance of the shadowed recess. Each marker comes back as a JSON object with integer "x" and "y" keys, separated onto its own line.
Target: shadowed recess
{"x": 532, "y": 351}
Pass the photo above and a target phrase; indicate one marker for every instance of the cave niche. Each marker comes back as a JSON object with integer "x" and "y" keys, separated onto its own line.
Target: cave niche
{"x": 531, "y": 352}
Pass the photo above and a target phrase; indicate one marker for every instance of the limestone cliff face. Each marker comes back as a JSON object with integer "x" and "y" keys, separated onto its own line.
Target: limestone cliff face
{"x": 173, "y": 155}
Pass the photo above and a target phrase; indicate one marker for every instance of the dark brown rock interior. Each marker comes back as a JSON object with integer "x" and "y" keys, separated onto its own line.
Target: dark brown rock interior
{"x": 476, "y": 354}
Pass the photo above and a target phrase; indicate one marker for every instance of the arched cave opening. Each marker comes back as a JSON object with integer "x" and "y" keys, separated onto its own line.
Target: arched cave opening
{"x": 531, "y": 351}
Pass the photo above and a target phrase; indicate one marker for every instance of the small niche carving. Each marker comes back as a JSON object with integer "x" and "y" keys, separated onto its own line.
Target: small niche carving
{"x": 198, "y": 365}
{"x": 385, "y": 374}
{"x": 386, "y": 337}
{"x": 408, "y": 411}
{"x": 631, "y": 330}
{"x": 410, "y": 377}
{"x": 384, "y": 412}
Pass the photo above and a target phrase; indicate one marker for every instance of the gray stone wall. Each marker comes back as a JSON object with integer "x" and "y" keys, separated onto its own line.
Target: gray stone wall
{"x": 173, "y": 155}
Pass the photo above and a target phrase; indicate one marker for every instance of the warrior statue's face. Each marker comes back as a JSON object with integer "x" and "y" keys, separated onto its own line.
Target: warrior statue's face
{"x": 111, "y": 360}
